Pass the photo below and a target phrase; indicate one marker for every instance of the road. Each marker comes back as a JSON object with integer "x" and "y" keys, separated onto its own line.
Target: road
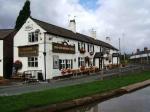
{"x": 21, "y": 88}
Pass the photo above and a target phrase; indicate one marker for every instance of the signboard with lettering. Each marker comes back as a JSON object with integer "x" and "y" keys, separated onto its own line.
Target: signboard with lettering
{"x": 115, "y": 55}
{"x": 63, "y": 48}
{"x": 29, "y": 27}
{"x": 27, "y": 51}
{"x": 55, "y": 62}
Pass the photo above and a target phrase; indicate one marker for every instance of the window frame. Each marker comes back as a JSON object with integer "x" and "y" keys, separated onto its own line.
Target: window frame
{"x": 81, "y": 61}
{"x": 32, "y": 62}
{"x": 33, "y": 37}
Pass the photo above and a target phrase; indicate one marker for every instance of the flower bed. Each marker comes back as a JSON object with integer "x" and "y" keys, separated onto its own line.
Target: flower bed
{"x": 4, "y": 81}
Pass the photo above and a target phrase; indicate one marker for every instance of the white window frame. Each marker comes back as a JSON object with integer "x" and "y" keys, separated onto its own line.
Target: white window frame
{"x": 91, "y": 48}
{"x": 63, "y": 64}
{"x": 81, "y": 61}
{"x": 81, "y": 45}
{"x": 32, "y": 61}
{"x": 31, "y": 38}
{"x": 69, "y": 63}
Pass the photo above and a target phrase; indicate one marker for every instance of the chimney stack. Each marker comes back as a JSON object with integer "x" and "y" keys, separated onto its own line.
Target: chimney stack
{"x": 108, "y": 40}
{"x": 72, "y": 25}
{"x": 145, "y": 49}
{"x": 138, "y": 50}
{"x": 93, "y": 33}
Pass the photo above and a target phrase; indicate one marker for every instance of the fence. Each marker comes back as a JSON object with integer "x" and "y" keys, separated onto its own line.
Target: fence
{"x": 123, "y": 70}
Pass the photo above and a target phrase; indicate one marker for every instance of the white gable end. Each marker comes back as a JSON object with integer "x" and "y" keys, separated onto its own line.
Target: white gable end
{"x": 21, "y": 38}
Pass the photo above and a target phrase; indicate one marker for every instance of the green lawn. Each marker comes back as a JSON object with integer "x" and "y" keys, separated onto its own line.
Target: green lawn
{"x": 51, "y": 96}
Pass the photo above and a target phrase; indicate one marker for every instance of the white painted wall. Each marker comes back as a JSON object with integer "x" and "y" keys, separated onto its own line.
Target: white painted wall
{"x": 21, "y": 39}
{"x": 1, "y": 58}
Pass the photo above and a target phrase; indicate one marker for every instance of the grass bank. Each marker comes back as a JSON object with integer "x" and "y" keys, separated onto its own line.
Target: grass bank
{"x": 51, "y": 96}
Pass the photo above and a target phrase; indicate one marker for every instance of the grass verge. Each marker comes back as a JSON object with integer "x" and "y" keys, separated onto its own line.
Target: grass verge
{"x": 51, "y": 96}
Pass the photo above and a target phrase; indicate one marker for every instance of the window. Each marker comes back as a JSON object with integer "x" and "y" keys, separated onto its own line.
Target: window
{"x": 100, "y": 48}
{"x": 32, "y": 62}
{"x": 64, "y": 64}
{"x": 81, "y": 45}
{"x": 81, "y": 61}
{"x": 90, "y": 48}
{"x": 33, "y": 37}
{"x": 69, "y": 63}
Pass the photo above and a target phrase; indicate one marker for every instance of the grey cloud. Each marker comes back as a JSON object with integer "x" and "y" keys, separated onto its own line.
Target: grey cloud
{"x": 112, "y": 18}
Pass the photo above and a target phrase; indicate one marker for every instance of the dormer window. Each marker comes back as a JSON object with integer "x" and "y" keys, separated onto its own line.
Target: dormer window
{"x": 33, "y": 37}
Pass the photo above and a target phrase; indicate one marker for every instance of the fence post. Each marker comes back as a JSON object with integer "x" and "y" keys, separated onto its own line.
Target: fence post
{"x": 120, "y": 71}
{"x": 143, "y": 68}
{"x": 101, "y": 74}
{"x": 132, "y": 69}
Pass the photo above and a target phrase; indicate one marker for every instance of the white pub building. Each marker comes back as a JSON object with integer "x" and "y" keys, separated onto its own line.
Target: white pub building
{"x": 46, "y": 49}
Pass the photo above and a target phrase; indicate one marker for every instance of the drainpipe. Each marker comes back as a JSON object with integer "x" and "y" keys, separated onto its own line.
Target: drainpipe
{"x": 44, "y": 53}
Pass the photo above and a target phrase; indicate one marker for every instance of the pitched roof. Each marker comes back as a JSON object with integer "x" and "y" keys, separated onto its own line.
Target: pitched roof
{"x": 141, "y": 52}
{"x": 4, "y": 33}
{"x": 56, "y": 30}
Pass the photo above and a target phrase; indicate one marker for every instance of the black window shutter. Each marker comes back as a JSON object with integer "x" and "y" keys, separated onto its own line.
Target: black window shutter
{"x": 93, "y": 61}
{"x": 88, "y": 48}
{"x": 78, "y": 46}
{"x": 78, "y": 62}
{"x": 71, "y": 64}
{"x": 93, "y": 48}
{"x": 60, "y": 66}
{"x": 89, "y": 63}
{"x": 66, "y": 63}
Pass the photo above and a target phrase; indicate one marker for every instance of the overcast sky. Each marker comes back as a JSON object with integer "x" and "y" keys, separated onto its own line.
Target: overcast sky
{"x": 125, "y": 19}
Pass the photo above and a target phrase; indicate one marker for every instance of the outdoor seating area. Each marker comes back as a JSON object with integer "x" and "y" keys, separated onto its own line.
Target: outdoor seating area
{"x": 29, "y": 76}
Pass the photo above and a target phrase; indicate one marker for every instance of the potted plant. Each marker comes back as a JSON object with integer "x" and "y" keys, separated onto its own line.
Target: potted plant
{"x": 91, "y": 53}
{"x": 82, "y": 50}
{"x": 17, "y": 65}
{"x": 69, "y": 70}
{"x": 106, "y": 58}
{"x": 82, "y": 68}
{"x": 63, "y": 71}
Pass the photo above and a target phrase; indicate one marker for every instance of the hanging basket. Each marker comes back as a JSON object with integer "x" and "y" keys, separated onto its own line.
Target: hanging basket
{"x": 82, "y": 50}
{"x": 91, "y": 53}
{"x": 18, "y": 64}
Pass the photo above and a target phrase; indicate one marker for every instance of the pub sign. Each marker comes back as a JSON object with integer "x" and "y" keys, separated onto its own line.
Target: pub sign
{"x": 27, "y": 51}
{"x": 115, "y": 55}
{"x": 63, "y": 48}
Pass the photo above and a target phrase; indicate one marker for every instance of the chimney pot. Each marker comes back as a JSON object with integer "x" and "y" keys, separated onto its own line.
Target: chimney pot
{"x": 108, "y": 40}
{"x": 138, "y": 50}
{"x": 93, "y": 33}
{"x": 72, "y": 25}
{"x": 145, "y": 49}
